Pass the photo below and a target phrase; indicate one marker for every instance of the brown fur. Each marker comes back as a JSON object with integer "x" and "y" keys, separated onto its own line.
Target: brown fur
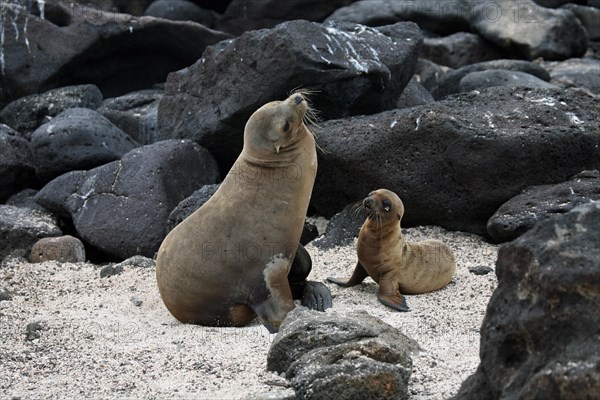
{"x": 229, "y": 260}
{"x": 397, "y": 266}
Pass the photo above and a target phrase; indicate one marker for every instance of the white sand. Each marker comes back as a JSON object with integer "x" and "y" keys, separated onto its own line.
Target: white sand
{"x": 97, "y": 344}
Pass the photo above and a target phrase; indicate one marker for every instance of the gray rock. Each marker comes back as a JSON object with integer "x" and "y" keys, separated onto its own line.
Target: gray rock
{"x": 539, "y": 337}
{"x": 280, "y": 394}
{"x": 111, "y": 270}
{"x": 480, "y": 270}
{"x": 5, "y": 296}
{"x": 135, "y": 114}
{"x": 17, "y": 170}
{"x": 137, "y": 262}
{"x": 64, "y": 249}
{"x": 190, "y": 204}
{"x": 33, "y": 330}
{"x": 20, "y": 228}
{"x": 136, "y": 301}
{"x": 589, "y": 18}
{"x": 347, "y": 356}
{"x": 309, "y": 233}
{"x": 529, "y": 30}
{"x": 460, "y": 49}
{"x": 77, "y": 139}
{"x": 118, "y": 53}
{"x": 181, "y": 10}
{"x": 441, "y": 16}
{"x": 538, "y": 203}
{"x": 551, "y": 3}
{"x": 414, "y": 94}
{"x": 576, "y": 72}
{"x": 430, "y": 74}
{"x": 25, "y": 199}
{"x": 501, "y": 77}
{"x": 354, "y": 69}
{"x": 454, "y": 162}
{"x": 28, "y": 113}
{"x": 342, "y": 228}
{"x": 245, "y": 15}
{"x": 450, "y": 83}
{"x": 136, "y": 7}
{"x": 122, "y": 207}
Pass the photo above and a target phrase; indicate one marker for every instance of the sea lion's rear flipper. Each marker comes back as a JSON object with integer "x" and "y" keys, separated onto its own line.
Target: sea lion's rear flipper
{"x": 316, "y": 296}
{"x": 299, "y": 271}
{"x": 357, "y": 277}
{"x": 389, "y": 295}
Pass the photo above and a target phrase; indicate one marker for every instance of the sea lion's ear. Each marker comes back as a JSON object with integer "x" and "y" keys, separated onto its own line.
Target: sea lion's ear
{"x": 399, "y": 217}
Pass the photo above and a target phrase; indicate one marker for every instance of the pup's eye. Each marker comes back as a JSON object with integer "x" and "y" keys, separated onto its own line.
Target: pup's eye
{"x": 286, "y": 127}
{"x": 387, "y": 206}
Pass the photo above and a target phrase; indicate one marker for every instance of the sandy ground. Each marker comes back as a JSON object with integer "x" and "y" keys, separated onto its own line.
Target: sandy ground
{"x": 96, "y": 343}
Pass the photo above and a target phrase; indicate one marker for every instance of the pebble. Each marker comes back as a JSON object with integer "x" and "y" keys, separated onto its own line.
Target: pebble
{"x": 136, "y": 301}
{"x": 480, "y": 270}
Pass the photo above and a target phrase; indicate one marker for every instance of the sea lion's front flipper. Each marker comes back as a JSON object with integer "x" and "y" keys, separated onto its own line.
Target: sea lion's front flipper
{"x": 316, "y": 296}
{"x": 389, "y": 295}
{"x": 357, "y": 277}
{"x": 273, "y": 305}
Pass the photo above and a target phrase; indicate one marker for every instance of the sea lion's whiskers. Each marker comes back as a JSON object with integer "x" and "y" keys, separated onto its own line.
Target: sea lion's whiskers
{"x": 357, "y": 209}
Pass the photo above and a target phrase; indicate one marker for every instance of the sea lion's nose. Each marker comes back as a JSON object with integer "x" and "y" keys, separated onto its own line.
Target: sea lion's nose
{"x": 298, "y": 99}
{"x": 368, "y": 202}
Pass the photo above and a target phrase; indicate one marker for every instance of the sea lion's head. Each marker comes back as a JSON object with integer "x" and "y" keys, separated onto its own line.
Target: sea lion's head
{"x": 277, "y": 126}
{"x": 383, "y": 206}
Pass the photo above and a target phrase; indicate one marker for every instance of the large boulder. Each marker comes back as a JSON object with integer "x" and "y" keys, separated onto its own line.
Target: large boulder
{"x": 181, "y": 10}
{"x": 17, "y": 170}
{"x": 20, "y": 228}
{"x": 454, "y": 162}
{"x": 460, "y": 49}
{"x": 77, "y": 139}
{"x": 54, "y": 44}
{"x": 537, "y": 203}
{"x": 342, "y": 228}
{"x": 440, "y": 16}
{"x": 501, "y": 77}
{"x": 25, "y": 199}
{"x": 351, "y": 68}
{"x": 539, "y": 337}
{"x": 529, "y": 30}
{"x": 576, "y": 72}
{"x": 135, "y": 113}
{"x": 414, "y": 94}
{"x": 430, "y": 74}
{"x": 136, "y": 7}
{"x": 190, "y": 204}
{"x": 122, "y": 207}
{"x": 589, "y": 18}
{"x": 28, "y": 113}
{"x": 245, "y": 15}
{"x": 343, "y": 356}
{"x": 450, "y": 82}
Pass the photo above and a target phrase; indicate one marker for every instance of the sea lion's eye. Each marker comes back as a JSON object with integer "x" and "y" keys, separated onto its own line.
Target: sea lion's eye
{"x": 387, "y": 206}
{"x": 286, "y": 127}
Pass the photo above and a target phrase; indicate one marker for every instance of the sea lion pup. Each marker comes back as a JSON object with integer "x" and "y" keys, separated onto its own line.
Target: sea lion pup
{"x": 229, "y": 261}
{"x": 397, "y": 266}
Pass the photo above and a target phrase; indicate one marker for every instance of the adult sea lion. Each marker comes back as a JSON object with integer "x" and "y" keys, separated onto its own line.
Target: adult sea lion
{"x": 397, "y": 266}
{"x": 229, "y": 261}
